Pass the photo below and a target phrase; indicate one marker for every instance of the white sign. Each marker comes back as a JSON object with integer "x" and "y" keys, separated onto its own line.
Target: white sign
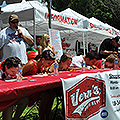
{"x": 56, "y": 42}
{"x": 93, "y": 96}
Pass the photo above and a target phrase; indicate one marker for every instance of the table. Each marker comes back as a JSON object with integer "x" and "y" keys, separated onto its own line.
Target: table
{"x": 13, "y": 90}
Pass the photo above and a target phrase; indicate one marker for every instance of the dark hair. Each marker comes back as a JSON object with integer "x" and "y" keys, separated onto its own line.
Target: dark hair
{"x": 11, "y": 62}
{"x": 111, "y": 58}
{"x": 116, "y": 38}
{"x": 36, "y": 40}
{"x": 64, "y": 57}
{"x": 47, "y": 54}
{"x": 92, "y": 55}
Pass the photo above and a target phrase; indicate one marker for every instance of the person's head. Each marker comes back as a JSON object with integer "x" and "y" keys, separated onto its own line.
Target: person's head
{"x": 90, "y": 58}
{"x": 110, "y": 60}
{"x": 65, "y": 61}
{"x": 47, "y": 58}
{"x": 10, "y": 65}
{"x": 115, "y": 41}
{"x": 13, "y": 21}
{"x": 38, "y": 40}
{"x": 45, "y": 40}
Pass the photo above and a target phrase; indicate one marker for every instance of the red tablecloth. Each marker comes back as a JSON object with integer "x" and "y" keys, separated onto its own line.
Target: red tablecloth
{"x": 12, "y": 91}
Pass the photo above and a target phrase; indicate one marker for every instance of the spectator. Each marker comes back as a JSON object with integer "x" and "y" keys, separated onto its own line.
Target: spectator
{"x": 109, "y": 61}
{"x": 9, "y": 71}
{"x": 90, "y": 59}
{"x": 109, "y": 46}
{"x": 45, "y": 44}
{"x": 14, "y": 39}
{"x": 38, "y": 43}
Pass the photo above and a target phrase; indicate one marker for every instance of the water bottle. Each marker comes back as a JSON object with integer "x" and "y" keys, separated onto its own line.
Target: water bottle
{"x": 56, "y": 66}
{"x": 116, "y": 63}
{"x": 102, "y": 63}
{"x": 19, "y": 73}
{"x": 83, "y": 66}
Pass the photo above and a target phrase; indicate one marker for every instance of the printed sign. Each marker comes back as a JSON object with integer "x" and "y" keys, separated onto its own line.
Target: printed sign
{"x": 85, "y": 98}
{"x": 56, "y": 42}
{"x": 93, "y": 96}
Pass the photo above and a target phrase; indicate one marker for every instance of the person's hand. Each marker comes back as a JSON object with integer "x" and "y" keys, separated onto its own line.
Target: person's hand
{"x": 19, "y": 33}
{"x": 114, "y": 52}
{"x": 93, "y": 67}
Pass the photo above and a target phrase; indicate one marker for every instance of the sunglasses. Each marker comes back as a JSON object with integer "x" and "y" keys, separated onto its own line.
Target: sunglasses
{"x": 14, "y": 22}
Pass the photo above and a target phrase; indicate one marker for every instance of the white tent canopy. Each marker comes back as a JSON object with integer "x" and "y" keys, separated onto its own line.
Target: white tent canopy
{"x": 90, "y": 35}
{"x": 34, "y": 16}
{"x": 34, "y": 13}
{"x": 98, "y": 25}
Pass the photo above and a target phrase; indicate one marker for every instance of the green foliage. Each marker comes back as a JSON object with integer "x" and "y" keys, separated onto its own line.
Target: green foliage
{"x": 33, "y": 113}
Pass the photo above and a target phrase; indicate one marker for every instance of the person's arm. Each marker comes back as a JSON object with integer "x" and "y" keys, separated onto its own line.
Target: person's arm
{"x": 52, "y": 47}
{"x": 50, "y": 69}
{"x": 40, "y": 50}
{"x": 74, "y": 68}
{"x": 106, "y": 52}
{"x": 27, "y": 67}
{"x": 27, "y": 39}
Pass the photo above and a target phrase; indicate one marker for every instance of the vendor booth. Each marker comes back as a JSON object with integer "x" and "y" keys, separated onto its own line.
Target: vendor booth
{"x": 34, "y": 17}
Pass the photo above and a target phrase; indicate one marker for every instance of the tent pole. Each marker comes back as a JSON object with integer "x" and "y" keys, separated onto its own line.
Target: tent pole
{"x": 87, "y": 40}
{"x": 84, "y": 43}
{"x": 34, "y": 27}
{"x": 49, "y": 10}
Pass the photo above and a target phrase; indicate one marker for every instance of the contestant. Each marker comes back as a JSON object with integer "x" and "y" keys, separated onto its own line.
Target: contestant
{"x": 109, "y": 61}
{"x": 35, "y": 66}
{"x": 90, "y": 59}
{"x": 8, "y": 72}
{"x": 64, "y": 63}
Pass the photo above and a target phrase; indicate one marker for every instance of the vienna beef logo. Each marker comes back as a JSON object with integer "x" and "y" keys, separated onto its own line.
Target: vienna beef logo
{"x": 84, "y": 99}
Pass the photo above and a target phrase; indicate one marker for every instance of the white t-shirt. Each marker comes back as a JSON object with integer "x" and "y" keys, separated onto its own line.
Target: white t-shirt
{"x": 77, "y": 61}
{"x": 16, "y": 46}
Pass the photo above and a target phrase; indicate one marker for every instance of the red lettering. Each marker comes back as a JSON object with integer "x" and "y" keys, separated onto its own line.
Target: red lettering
{"x": 68, "y": 20}
{"x": 46, "y": 16}
{"x": 72, "y": 21}
{"x": 56, "y": 17}
{"x": 116, "y": 33}
{"x": 52, "y": 16}
{"x": 60, "y": 18}
{"x": 75, "y": 21}
{"x": 91, "y": 25}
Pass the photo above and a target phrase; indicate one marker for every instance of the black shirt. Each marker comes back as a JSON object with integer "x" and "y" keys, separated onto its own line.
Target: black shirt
{"x": 107, "y": 45}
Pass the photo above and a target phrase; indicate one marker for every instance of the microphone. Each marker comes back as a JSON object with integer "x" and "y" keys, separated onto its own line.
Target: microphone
{"x": 20, "y": 34}
{"x": 16, "y": 27}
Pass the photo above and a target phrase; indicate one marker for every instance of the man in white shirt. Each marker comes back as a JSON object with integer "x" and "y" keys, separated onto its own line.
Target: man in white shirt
{"x": 13, "y": 39}
{"x": 90, "y": 59}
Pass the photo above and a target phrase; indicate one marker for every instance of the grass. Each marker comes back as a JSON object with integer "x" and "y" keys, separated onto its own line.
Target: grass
{"x": 33, "y": 114}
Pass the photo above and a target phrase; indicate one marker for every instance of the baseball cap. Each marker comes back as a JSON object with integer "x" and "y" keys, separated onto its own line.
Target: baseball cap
{"x": 13, "y": 17}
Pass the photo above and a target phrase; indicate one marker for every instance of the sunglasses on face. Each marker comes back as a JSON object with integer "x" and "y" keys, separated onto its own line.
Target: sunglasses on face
{"x": 14, "y": 22}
